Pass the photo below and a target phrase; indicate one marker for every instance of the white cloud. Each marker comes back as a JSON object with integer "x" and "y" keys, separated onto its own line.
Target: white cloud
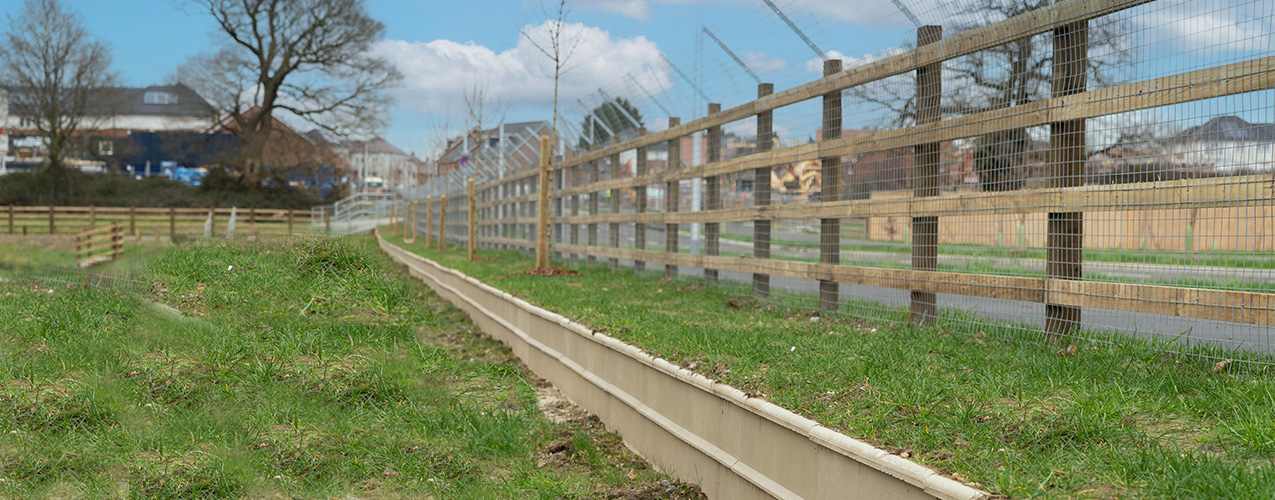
{"x": 762, "y": 63}
{"x": 847, "y": 62}
{"x": 640, "y": 9}
{"x": 1211, "y": 27}
{"x": 635, "y": 9}
{"x": 439, "y": 73}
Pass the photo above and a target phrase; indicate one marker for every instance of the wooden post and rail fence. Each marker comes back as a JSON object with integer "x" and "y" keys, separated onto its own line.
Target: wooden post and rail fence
{"x": 96, "y": 245}
{"x": 53, "y": 220}
{"x": 1064, "y": 201}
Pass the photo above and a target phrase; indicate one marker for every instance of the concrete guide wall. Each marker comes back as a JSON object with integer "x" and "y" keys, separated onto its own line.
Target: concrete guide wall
{"x": 711, "y": 434}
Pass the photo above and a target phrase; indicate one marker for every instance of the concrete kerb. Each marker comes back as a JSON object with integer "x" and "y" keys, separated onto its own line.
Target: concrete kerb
{"x": 843, "y": 466}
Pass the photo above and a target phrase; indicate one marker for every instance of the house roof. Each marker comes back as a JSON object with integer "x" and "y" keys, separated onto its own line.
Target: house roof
{"x": 155, "y": 100}
{"x": 375, "y": 145}
{"x": 454, "y": 150}
{"x": 1229, "y": 128}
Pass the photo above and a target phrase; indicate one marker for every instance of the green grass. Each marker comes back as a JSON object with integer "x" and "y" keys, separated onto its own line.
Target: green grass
{"x": 46, "y": 251}
{"x": 1215, "y": 258}
{"x": 985, "y": 403}
{"x": 304, "y": 369}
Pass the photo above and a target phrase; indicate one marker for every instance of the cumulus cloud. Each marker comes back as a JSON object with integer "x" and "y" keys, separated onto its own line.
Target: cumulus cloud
{"x": 1212, "y": 27}
{"x": 638, "y": 9}
{"x": 847, "y": 62}
{"x": 763, "y": 63}
{"x": 439, "y": 73}
{"x": 635, "y": 9}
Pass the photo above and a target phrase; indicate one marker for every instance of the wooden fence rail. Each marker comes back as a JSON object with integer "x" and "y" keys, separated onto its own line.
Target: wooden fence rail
{"x": 98, "y": 245}
{"x": 506, "y": 209}
{"x": 168, "y": 221}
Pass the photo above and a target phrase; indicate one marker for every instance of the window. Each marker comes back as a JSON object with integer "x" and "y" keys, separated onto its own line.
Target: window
{"x": 160, "y": 98}
{"x": 106, "y": 148}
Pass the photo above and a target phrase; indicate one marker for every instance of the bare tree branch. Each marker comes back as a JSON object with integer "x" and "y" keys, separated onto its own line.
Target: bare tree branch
{"x": 57, "y": 74}
{"x": 310, "y": 58}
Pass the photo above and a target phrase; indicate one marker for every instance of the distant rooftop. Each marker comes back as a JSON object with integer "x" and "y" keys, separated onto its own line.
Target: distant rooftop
{"x": 155, "y": 100}
{"x": 1230, "y": 128}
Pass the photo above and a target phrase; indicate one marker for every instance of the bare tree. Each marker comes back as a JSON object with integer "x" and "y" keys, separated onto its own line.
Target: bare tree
{"x": 309, "y": 58}
{"x": 1012, "y": 74}
{"x": 57, "y": 73}
{"x": 482, "y": 107}
{"x": 559, "y": 45}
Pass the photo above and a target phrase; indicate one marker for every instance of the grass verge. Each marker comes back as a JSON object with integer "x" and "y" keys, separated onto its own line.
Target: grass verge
{"x": 303, "y": 369}
{"x": 1111, "y": 418}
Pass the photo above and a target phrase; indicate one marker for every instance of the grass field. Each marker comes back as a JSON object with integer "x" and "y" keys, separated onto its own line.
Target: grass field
{"x": 303, "y": 369}
{"x": 989, "y": 405}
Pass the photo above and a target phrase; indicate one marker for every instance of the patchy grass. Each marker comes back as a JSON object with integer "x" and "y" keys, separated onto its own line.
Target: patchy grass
{"x": 1109, "y": 418}
{"x": 58, "y": 251}
{"x": 304, "y": 369}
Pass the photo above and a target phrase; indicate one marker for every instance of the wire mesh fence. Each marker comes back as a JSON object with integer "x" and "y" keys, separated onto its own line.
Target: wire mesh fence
{"x": 1090, "y": 169}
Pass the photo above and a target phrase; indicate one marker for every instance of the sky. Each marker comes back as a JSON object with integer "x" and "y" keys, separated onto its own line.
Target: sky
{"x": 447, "y": 48}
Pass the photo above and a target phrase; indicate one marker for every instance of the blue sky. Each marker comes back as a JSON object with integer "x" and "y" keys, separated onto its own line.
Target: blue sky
{"x": 448, "y": 47}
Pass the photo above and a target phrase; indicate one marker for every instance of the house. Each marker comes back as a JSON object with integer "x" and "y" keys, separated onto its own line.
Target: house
{"x": 117, "y": 113}
{"x": 513, "y": 147}
{"x": 308, "y": 159}
{"x": 120, "y": 110}
{"x": 1225, "y": 145}
{"x": 379, "y": 163}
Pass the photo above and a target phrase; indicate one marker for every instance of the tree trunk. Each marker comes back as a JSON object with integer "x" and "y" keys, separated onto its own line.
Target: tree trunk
{"x": 253, "y": 152}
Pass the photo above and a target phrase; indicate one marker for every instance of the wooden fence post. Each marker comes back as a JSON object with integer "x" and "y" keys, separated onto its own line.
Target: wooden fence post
{"x": 672, "y": 194}
{"x": 172, "y": 223}
{"x": 762, "y": 231}
{"x": 639, "y": 195}
{"x": 542, "y": 209}
{"x": 92, "y": 216}
{"x": 713, "y": 193}
{"x": 132, "y": 220}
{"x": 53, "y": 228}
{"x": 429, "y": 220}
{"x": 416, "y": 207}
{"x": 327, "y": 222}
{"x": 504, "y": 230}
{"x": 575, "y": 211}
{"x": 442, "y": 222}
{"x": 925, "y": 179}
{"x": 830, "y": 190}
{"x": 559, "y": 177}
{"x": 530, "y": 230}
{"x": 473, "y": 223}
{"x": 290, "y": 212}
{"x": 594, "y": 173}
{"x": 614, "y": 227}
{"x": 212, "y": 221}
{"x": 10, "y": 218}
{"x": 1065, "y": 238}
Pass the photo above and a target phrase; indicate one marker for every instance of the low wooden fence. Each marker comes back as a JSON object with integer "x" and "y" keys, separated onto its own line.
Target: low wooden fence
{"x": 100, "y": 245}
{"x": 51, "y": 220}
{"x": 507, "y": 209}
